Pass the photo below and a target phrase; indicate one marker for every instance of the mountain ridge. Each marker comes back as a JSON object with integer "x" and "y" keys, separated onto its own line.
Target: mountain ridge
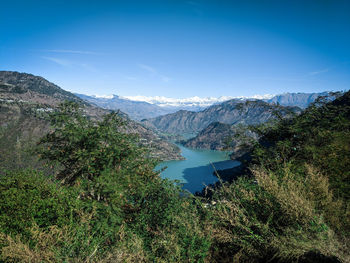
{"x": 229, "y": 112}
{"x": 146, "y": 107}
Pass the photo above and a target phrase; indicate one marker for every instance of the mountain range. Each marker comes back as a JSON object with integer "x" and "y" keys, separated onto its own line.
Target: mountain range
{"x": 205, "y": 122}
{"x": 231, "y": 112}
{"x": 144, "y": 107}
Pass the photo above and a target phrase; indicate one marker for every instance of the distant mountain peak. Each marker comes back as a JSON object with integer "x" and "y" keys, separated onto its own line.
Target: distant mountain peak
{"x": 194, "y": 101}
{"x": 111, "y": 96}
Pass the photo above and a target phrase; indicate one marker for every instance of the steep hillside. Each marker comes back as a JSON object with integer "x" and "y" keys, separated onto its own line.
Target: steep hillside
{"x": 25, "y": 101}
{"x": 212, "y": 137}
{"x": 221, "y": 136}
{"x": 229, "y": 112}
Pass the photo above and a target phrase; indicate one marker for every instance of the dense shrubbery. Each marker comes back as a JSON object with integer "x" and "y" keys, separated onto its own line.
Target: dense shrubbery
{"x": 108, "y": 205}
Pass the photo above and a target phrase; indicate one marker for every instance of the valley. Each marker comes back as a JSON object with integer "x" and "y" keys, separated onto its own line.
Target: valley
{"x": 88, "y": 161}
{"x": 175, "y": 131}
{"x": 26, "y": 100}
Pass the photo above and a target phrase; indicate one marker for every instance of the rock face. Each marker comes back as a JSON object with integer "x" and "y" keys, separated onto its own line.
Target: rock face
{"x": 301, "y": 100}
{"x": 231, "y": 112}
{"x": 26, "y": 99}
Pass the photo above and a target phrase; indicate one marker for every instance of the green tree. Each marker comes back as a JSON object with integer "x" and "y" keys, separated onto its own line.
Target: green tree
{"x": 84, "y": 148}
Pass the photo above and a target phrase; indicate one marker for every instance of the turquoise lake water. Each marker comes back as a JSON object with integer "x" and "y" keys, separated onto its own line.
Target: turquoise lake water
{"x": 196, "y": 171}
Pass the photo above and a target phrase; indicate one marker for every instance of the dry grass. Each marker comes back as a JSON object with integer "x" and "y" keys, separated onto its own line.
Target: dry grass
{"x": 304, "y": 217}
{"x": 129, "y": 250}
{"x": 15, "y": 250}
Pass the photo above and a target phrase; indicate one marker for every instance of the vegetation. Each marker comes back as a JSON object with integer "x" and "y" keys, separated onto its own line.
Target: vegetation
{"x": 296, "y": 201}
{"x": 106, "y": 203}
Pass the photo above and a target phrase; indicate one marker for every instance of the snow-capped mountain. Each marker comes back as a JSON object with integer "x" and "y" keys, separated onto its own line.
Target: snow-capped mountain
{"x": 194, "y": 102}
{"x": 144, "y": 107}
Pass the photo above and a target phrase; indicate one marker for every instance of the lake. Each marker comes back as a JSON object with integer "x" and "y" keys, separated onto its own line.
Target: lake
{"x": 196, "y": 171}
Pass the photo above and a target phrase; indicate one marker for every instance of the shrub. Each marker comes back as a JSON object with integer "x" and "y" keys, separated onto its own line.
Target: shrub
{"x": 282, "y": 216}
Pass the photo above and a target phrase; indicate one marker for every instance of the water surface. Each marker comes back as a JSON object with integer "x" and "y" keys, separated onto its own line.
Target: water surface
{"x": 197, "y": 170}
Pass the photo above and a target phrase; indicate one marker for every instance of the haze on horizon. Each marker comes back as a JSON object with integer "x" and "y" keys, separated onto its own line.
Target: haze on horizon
{"x": 180, "y": 48}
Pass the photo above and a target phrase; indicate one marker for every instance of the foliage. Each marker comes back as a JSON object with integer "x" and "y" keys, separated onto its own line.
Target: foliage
{"x": 279, "y": 217}
{"x": 319, "y": 136}
{"x": 85, "y": 148}
{"x": 288, "y": 208}
{"x": 28, "y": 198}
{"x": 108, "y": 204}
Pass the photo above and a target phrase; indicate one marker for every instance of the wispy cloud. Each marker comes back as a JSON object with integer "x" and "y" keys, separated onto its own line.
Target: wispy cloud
{"x": 313, "y": 73}
{"x": 59, "y": 61}
{"x": 71, "y": 63}
{"x": 148, "y": 68}
{"x": 70, "y": 51}
{"x": 154, "y": 72}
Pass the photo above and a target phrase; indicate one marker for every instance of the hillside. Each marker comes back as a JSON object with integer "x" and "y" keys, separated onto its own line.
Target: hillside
{"x": 230, "y": 112}
{"x": 220, "y": 136}
{"x": 211, "y": 137}
{"x": 34, "y": 88}
{"x": 25, "y": 101}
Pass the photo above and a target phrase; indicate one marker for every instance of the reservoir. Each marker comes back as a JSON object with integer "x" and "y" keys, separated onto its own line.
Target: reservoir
{"x": 197, "y": 170}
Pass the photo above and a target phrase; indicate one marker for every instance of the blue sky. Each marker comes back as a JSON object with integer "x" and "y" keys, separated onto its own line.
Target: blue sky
{"x": 180, "y": 48}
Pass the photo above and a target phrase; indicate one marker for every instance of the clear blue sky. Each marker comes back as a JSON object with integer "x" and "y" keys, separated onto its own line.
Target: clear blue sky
{"x": 180, "y": 48}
